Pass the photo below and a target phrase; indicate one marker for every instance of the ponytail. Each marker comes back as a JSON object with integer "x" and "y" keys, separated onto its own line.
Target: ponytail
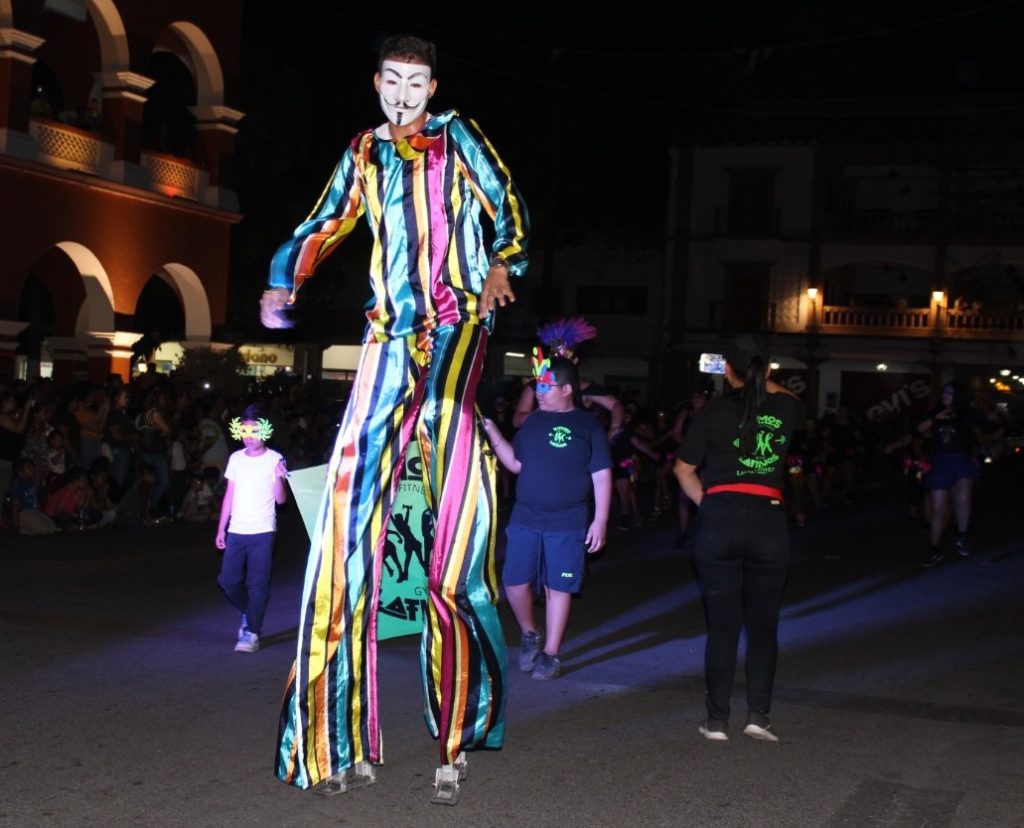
{"x": 753, "y": 396}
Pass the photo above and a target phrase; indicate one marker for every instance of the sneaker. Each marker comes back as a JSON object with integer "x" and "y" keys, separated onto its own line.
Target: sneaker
{"x": 248, "y": 642}
{"x": 934, "y": 557}
{"x": 715, "y": 730}
{"x": 242, "y": 624}
{"x": 529, "y": 651}
{"x": 963, "y": 548}
{"x": 548, "y": 667}
{"x": 758, "y": 727}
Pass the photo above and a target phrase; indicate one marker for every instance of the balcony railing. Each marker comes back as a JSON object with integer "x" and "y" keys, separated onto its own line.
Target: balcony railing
{"x": 965, "y": 323}
{"x": 172, "y": 176}
{"x": 919, "y": 322}
{"x": 69, "y": 148}
{"x": 888, "y": 223}
{"x": 853, "y": 319}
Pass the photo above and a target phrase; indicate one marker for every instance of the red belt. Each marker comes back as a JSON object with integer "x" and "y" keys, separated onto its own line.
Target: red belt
{"x": 748, "y": 489}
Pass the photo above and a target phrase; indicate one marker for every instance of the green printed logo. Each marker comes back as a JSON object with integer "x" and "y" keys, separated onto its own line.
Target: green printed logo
{"x": 559, "y": 437}
{"x": 765, "y": 455}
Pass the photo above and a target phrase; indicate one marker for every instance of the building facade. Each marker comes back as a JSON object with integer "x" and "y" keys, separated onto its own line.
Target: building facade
{"x": 116, "y": 146}
{"x": 881, "y": 255}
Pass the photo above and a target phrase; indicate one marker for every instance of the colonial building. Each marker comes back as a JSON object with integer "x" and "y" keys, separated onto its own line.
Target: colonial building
{"x": 116, "y": 146}
{"x": 880, "y": 250}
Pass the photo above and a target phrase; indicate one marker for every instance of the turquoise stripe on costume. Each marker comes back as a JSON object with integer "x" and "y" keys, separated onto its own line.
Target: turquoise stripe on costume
{"x": 450, "y": 162}
{"x": 466, "y": 710}
{"x": 422, "y": 361}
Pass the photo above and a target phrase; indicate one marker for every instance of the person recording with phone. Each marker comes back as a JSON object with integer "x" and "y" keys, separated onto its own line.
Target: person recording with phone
{"x": 741, "y": 439}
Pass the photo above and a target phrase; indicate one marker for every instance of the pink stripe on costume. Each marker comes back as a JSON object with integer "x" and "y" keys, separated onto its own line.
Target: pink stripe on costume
{"x": 446, "y": 306}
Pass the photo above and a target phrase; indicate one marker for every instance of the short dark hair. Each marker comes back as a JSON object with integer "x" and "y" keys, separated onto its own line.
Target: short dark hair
{"x": 253, "y": 412}
{"x": 565, "y": 371}
{"x": 408, "y": 49}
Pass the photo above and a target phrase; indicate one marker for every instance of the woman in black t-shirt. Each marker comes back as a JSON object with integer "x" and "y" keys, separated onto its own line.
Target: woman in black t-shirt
{"x": 742, "y": 544}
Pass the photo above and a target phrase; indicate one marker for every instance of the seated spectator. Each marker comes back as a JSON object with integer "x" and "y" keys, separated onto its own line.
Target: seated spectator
{"x": 26, "y": 515}
{"x": 133, "y": 508}
{"x": 218, "y": 485}
{"x": 198, "y": 504}
{"x": 100, "y": 506}
{"x": 103, "y": 466}
{"x": 68, "y": 504}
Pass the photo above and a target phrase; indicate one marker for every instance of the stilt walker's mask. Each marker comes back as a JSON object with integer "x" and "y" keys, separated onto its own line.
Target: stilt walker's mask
{"x": 404, "y": 90}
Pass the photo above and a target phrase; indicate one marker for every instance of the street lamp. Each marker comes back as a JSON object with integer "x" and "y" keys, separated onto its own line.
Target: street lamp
{"x": 812, "y": 296}
{"x": 938, "y": 297}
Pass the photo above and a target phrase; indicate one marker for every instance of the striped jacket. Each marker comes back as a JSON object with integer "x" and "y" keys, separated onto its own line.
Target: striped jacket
{"x": 423, "y": 196}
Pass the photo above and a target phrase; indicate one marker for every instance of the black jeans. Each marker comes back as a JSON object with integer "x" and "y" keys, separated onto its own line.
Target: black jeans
{"x": 245, "y": 575}
{"x": 742, "y": 557}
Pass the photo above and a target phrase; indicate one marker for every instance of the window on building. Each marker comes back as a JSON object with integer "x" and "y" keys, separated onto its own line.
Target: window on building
{"x": 752, "y": 202}
{"x": 617, "y": 300}
{"x": 744, "y": 304}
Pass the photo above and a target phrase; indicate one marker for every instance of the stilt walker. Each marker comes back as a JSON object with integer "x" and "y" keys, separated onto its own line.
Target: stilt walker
{"x": 422, "y": 181}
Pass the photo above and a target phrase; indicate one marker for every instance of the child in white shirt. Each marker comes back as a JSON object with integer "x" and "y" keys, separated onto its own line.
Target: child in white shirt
{"x": 248, "y": 521}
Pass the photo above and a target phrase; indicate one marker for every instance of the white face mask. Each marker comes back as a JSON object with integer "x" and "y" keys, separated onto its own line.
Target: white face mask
{"x": 404, "y": 90}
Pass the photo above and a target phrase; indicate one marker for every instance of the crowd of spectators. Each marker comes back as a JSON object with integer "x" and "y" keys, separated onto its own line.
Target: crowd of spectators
{"x": 150, "y": 451}
{"x": 833, "y": 461}
{"x": 138, "y": 454}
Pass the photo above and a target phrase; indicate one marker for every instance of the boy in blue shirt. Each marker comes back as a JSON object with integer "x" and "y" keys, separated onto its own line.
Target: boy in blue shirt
{"x": 561, "y": 456}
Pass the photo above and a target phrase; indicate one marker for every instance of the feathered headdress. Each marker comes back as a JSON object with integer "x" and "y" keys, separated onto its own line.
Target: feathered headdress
{"x": 542, "y": 367}
{"x": 563, "y": 335}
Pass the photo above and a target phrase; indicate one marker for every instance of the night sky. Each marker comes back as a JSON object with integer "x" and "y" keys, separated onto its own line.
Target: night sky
{"x": 583, "y": 102}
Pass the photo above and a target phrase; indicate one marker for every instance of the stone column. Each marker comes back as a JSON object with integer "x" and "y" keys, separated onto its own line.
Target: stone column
{"x": 16, "y": 62}
{"x": 9, "y": 331}
{"x": 121, "y": 123}
{"x": 216, "y": 128}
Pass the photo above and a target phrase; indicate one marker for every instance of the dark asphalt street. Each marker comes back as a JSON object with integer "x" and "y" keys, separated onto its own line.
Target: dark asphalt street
{"x": 898, "y": 698}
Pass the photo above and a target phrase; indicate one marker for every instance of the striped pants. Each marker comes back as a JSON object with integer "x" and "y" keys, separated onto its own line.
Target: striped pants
{"x": 404, "y": 388}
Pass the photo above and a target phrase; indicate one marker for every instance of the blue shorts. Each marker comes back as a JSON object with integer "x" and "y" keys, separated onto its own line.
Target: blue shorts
{"x": 551, "y": 559}
{"x": 947, "y": 469}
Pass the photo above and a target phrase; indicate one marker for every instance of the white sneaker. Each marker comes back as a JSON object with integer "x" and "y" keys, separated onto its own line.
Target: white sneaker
{"x": 758, "y": 727}
{"x": 714, "y": 730}
{"x": 248, "y": 642}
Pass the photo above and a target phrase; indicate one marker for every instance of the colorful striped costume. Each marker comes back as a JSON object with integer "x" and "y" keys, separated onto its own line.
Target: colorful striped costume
{"x": 418, "y": 374}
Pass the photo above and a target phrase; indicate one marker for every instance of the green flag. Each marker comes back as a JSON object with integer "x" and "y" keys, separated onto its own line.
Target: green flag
{"x": 407, "y": 544}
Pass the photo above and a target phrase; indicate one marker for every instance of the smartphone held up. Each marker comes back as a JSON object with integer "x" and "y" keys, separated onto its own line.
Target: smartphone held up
{"x": 712, "y": 364}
